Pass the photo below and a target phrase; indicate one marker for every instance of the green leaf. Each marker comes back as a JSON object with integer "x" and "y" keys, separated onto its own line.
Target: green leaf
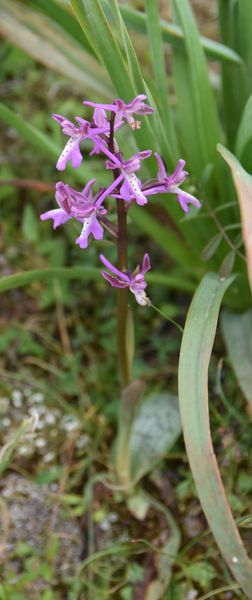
{"x": 173, "y": 34}
{"x": 86, "y": 273}
{"x": 237, "y": 331}
{"x": 243, "y": 184}
{"x": 159, "y": 71}
{"x": 165, "y": 238}
{"x": 196, "y": 348}
{"x": 40, "y": 38}
{"x": 63, "y": 17}
{"x": 204, "y": 115}
{"x": 211, "y": 247}
{"x": 244, "y": 133}
{"x": 30, "y": 224}
{"x": 154, "y": 431}
{"x": 36, "y": 138}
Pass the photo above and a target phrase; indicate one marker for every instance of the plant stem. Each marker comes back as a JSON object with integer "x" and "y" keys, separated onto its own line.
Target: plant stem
{"x": 123, "y": 316}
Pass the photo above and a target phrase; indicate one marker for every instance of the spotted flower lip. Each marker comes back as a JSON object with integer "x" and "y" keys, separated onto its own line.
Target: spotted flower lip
{"x": 81, "y": 206}
{"x": 77, "y": 133}
{"x": 134, "y": 281}
{"x": 131, "y": 186}
{"x": 126, "y": 110}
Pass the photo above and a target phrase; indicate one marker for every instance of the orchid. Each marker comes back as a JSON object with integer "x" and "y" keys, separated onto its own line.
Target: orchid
{"x": 131, "y": 186}
{"x": 84, "y": 130}
{"x": 126, "y": 111}
{"x": 171, "y": 184}
{"x": 81, "y": 206}
{"x": 126, "y": 187}
{"x": 134, "y": 281}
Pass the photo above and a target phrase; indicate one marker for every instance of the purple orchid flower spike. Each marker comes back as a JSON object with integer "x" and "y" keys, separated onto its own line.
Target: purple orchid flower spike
{"x": 131, "y": 187}
{"x": 126, "y": 111}
{"x": 77, "y": 134}
{"x": 134, "y": 281}
{"x": 171, "y": 184}
{"x": 81, "y": 206}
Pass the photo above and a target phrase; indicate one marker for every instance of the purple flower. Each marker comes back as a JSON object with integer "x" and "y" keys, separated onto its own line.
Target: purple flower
{"x": 81, "y": 206}
{"x": 171, "y": 184}
{"x": 124, "y": 110}
{"x": 131, "y": 187}
{"x": 134, "y": 281}
{"x": 77, "y": 134}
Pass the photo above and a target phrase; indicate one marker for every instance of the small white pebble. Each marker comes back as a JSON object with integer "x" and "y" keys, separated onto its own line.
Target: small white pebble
{"x": 54, "y": 487}
{"x": 40, "y": 442}
{"x": 17, "y": 397}
{"x": 38, "y": 397}
{"x": 113, "y": 517}
{"x": 49, "y": 457}
{"x": 70, "y": 423}
{"x": 105, "y": 525}
{"x": 6, "y": 422}
{"x": 50, "y": 419}
{"x": 24, "y": 450}
{"x": 235, "y": 559}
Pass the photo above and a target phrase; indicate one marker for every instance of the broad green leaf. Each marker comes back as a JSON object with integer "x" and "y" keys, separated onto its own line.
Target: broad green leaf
{"x": 196, "y": 349}
{"x": 173, "y": 34}
{"x": 243, "y": 184}
{"x": 244, "y": 133}
{"x": 154, "y": 431}
{"x": 41, "y": 39}
{"x": 237, "y": 330}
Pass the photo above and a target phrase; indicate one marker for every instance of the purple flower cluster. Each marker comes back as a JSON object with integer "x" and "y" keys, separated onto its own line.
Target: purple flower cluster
{"x": 127, "y": 187}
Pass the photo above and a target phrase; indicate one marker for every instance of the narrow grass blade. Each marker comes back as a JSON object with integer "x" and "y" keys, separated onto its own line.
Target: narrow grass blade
{"x": 38, "y": 140}
{"x": 173, "y": 34}
{"x": 244, "y": 133}
{"x": 243, "y": 184}
{"x": 234, "y": 77}
{"x": 159, "y": 71}
{"x": 195, "y": 355}
{"x": 31, "y": 134}
{"x": 87, "y": 273}
{"x": 42, "y": 40}
{"x": 96, "y": 27}
{"x": 206, "y": 128}
{"x": 237, "y": 330}
{"x": 61, "y": 15}
{"x": 166, "y": 239}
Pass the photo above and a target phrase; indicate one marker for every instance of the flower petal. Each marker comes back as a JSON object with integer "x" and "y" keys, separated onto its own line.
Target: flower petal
{"x": 58, "y": 215}
{"x": 114, "y": 281}
{"x": 113, "y": 269}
